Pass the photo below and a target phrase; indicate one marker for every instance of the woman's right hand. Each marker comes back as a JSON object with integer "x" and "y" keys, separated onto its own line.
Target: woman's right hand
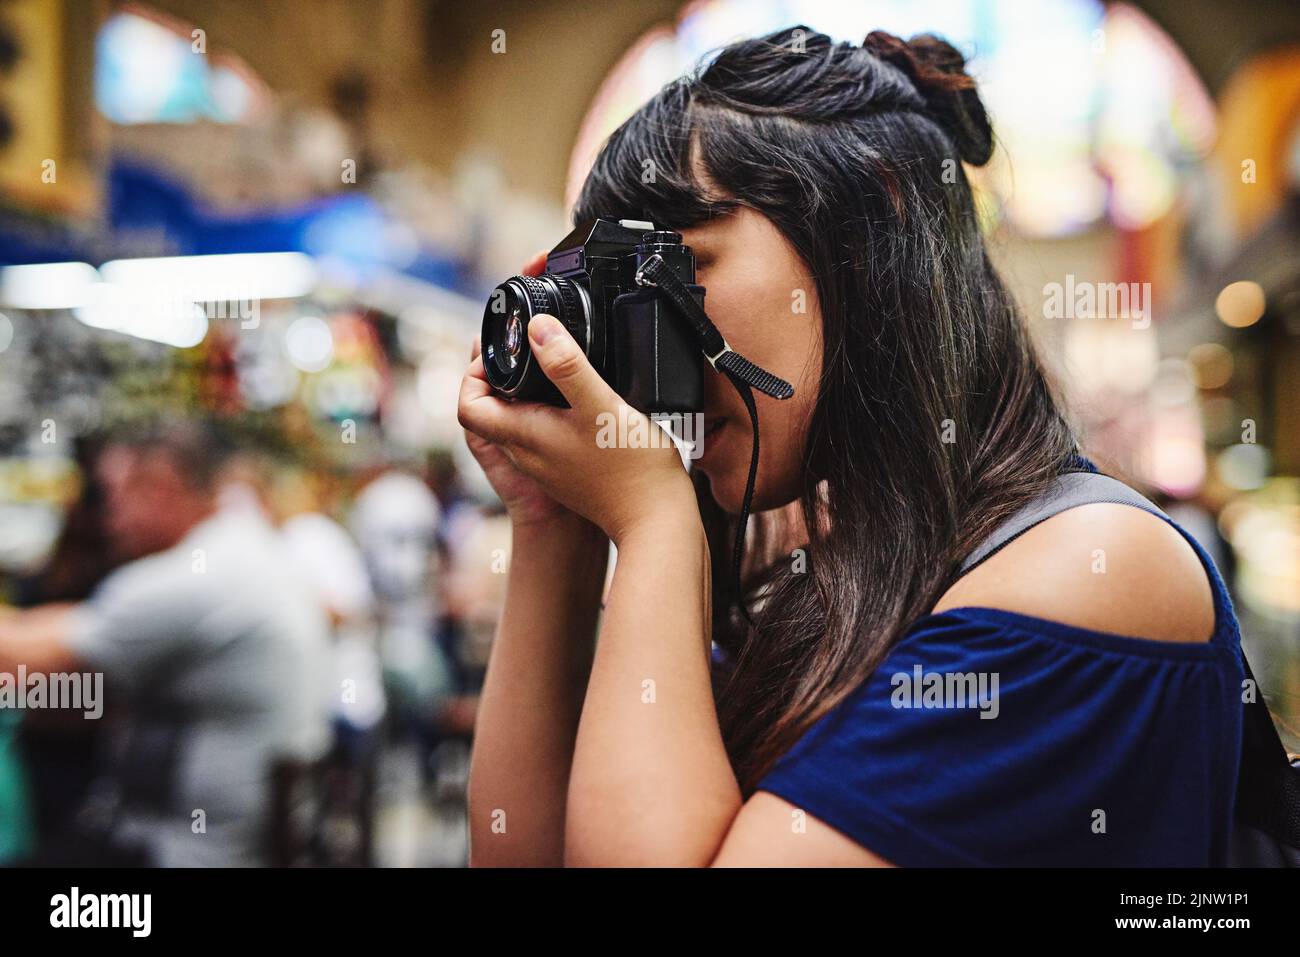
{"x": 525, "y": 501}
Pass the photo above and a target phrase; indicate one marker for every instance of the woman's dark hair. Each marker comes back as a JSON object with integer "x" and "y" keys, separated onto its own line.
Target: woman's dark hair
{"x": 934, "y": 420}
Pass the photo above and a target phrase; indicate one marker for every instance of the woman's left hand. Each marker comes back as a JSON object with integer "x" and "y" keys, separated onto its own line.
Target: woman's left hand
{"x": 581, "y": 455}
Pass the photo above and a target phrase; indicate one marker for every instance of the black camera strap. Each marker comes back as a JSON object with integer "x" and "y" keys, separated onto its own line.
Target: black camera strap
{"x": 656, "y": 272}
{"x": 744, "y": 375}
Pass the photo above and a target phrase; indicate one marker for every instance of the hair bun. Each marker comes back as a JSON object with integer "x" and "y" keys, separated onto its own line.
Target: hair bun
{"x": 938, "y": 71}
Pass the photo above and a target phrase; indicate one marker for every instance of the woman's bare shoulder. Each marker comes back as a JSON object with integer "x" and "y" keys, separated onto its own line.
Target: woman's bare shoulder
{"x": 1106, "y": 567}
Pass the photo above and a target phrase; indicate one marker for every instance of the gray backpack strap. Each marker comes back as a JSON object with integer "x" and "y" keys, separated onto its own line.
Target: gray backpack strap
{"x": 1066, "y": 491}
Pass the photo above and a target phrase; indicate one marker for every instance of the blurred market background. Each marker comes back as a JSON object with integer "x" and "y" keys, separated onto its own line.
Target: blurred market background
{"x": 284, "y": 218}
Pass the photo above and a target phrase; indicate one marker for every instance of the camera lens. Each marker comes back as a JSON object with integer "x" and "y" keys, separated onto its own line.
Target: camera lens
{"x": 510, "y": 354}
{"x": 507, "y": 359}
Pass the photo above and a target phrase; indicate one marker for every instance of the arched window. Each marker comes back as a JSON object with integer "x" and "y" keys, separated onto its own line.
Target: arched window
{"x": 1095, "y": 108}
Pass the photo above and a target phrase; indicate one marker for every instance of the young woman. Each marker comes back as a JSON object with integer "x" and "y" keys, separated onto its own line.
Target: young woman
{"x": 1097, "y": 650}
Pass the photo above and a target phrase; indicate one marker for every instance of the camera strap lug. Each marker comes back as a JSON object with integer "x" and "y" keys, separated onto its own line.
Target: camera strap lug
{"x": 640, "y": 277}
{"x": 713, "y": 360}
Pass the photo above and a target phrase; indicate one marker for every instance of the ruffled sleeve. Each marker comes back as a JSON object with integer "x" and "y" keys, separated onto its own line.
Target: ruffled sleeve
{"x": 992, "y": 738}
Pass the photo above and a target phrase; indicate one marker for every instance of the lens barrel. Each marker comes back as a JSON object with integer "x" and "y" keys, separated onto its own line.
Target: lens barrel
{"x": 507, "y": 358}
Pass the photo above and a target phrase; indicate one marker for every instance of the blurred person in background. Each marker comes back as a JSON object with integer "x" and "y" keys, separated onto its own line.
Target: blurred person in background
{"x": 395, "y": 519}
{"x": 326, "y": 554}
{"x": 477, "y": 560}
{"x": 212, "y": 641}
{"x": 245, "y": 494}
{"x": 332, "y": 563}
{"x": 474, "y": 556}
{"x": 59, "y": 751}
{"x": 82, "y": 555}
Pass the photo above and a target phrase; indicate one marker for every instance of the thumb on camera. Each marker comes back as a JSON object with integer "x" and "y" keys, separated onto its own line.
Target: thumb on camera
{"x": 566, "y": 366}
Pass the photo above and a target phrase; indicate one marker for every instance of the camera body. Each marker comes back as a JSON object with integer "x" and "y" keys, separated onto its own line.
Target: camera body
{"x": 628, "y": 331}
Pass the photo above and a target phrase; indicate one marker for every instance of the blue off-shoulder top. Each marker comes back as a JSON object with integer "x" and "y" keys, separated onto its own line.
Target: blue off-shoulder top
{"x": 994, "y": 738}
